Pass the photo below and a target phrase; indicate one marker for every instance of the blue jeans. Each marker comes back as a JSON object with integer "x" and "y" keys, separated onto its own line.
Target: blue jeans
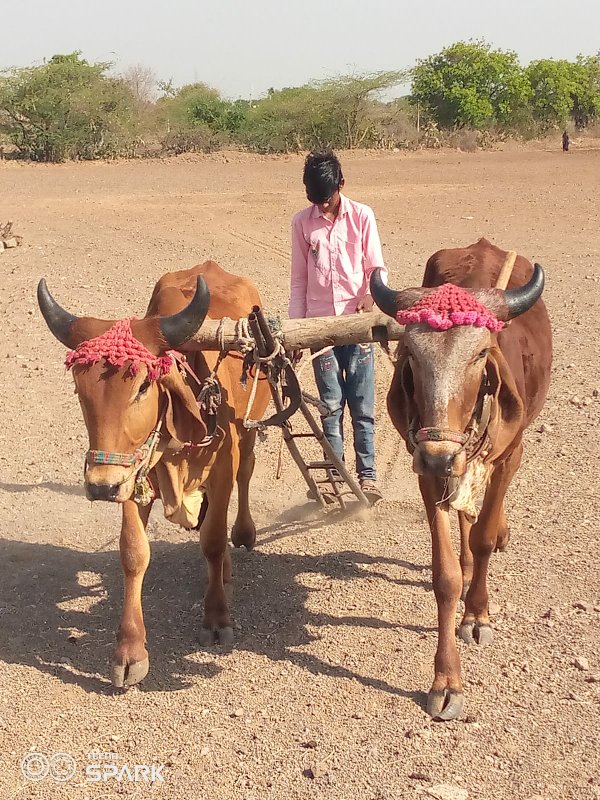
{"x": 346, "y": 375}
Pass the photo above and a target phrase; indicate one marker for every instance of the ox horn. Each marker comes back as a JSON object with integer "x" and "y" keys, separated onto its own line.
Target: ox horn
{"x": 179, "y": 328}
{"x": 57, "y": 319}
{"x": 520, "y": 300}
{"x": 389, "y": 300}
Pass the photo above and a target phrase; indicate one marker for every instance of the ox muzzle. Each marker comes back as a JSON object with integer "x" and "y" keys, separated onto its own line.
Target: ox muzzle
{"x": 439, "y": 452}
{"x": 114, "y": 477}
{"x": 439, "y": 461}
{"x": 102, "y": 491}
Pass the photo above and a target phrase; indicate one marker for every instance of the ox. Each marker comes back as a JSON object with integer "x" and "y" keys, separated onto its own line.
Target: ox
{"x": 149, "y": 435}
{"x": 466, "y": 385}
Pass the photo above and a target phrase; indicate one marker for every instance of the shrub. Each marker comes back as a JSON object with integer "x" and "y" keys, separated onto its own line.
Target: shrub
{"x": 67, "y": 108}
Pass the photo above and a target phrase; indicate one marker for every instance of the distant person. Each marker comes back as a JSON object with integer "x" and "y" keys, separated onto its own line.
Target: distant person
{"x": 565, "y": 142}
{"x": 335, "y": 248}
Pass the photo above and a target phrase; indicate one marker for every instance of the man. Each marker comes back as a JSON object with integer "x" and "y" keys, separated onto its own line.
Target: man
{"x": 335, "y": 248}
{"x": 565, "y": 142}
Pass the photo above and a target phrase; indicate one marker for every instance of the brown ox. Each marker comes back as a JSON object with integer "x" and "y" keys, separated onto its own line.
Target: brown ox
{"x": 461, "y": 399}
{"x": 194, "y": 483}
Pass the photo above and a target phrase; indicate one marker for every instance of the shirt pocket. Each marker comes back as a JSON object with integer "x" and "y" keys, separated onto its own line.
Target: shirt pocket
{"x": 351, "y": 252}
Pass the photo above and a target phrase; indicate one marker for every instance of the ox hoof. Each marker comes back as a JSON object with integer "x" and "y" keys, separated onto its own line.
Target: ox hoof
{"x": 214, "y": 635}
{"x": 243, "y": 536}
{"x": 445, "y": 704}
{"x": 485, "y": 634}
{"x": 502, "y": 540}
{"x": 466, "y": 632}
{"x": 476, "y": 633}
{"x": 125, "y": 675}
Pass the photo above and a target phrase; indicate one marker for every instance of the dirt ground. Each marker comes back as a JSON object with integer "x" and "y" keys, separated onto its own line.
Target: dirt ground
{"x": 335, "y": 619}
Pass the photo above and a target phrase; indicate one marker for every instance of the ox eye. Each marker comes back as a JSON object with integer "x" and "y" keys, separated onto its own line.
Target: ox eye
{"x": 143, "y": 389}
{"x": 484, "y": 353}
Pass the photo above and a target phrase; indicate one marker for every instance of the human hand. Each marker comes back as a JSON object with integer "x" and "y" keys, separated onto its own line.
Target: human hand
{"x": 364, "y": 304}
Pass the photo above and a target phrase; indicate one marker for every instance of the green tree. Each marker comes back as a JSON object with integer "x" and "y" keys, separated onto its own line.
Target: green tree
{"x": 565, "y": 90}
{"x": 351, "y": 98}
{"x": 586, "y": 108}
{"x": 334, "y": 113}
{"x": 470, "y": 85}
{"x": 66, "y": 108}
{"x": 555, "y": 85}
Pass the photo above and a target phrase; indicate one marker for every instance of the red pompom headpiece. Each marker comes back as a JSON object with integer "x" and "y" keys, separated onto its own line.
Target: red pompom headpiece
{"x": 448, "y": 306}
{"x": 117, "y": 346}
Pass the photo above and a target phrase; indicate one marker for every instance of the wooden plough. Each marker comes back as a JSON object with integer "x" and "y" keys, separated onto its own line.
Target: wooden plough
{"x": 268, "y": 346}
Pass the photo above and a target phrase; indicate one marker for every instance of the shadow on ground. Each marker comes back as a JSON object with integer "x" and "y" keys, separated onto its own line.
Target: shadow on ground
{"x": 60, "y": 608}
{"x": 59, "y": 488}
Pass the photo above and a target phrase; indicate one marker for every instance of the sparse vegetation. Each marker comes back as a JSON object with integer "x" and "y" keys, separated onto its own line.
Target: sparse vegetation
{"x": 67, "y": 108}
{"x": 466, "y": 95}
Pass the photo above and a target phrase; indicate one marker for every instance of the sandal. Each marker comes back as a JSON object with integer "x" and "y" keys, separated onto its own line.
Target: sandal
{"x": 371, "y": 491}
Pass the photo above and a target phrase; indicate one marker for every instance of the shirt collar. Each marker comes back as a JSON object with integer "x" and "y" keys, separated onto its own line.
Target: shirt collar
{"x": 343, "y": 209}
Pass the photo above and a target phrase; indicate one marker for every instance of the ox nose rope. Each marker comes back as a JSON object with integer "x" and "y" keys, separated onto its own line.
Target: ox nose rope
{"x": 440, "y": 435}
{"x": 475, "y": 436}
{"x": 140, "y": 459}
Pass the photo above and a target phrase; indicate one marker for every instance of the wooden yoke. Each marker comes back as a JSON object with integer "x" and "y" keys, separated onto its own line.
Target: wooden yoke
{"x": 300, "y": 334}
{"x": 506, "y": 271}
{"x": 314, "y": 333}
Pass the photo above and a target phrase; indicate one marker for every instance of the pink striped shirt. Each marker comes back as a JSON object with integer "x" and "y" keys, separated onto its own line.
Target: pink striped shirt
{"x": 332, "y": 260}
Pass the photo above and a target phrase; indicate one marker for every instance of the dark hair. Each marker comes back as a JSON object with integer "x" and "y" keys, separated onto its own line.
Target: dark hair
{"x": 322, "y": 175}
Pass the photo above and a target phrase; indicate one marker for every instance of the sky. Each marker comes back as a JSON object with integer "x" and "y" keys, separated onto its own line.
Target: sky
{"x": 243, "y": 48}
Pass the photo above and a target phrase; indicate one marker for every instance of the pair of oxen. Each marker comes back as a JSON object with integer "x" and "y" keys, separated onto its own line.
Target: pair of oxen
{"x": 472, "y": 373}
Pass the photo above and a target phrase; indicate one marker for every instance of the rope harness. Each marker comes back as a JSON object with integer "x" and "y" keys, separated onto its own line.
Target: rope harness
{"x": 474, "y": 440}
{"x": 209, "y": 397}
{"x": 140, "y": 460}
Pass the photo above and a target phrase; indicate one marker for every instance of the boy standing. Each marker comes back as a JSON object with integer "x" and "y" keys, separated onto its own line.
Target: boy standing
{"x": 335, "y": 248}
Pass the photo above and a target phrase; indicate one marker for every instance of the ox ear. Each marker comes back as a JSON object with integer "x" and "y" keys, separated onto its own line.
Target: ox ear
{"x": 400, "y": 399}
{"x": 183, "y": 419}
{"x": 508, "y": 418}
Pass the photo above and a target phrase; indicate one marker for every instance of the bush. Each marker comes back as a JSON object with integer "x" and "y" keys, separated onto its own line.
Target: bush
{"x": 196, "y": 118}
{"x": 394, "y": 124}
{"x": 291, "y": 120}
{"x": 465, "y": 139}
{"x": 197, "y": 139}
{"x": 337, "y": 113}
{"x": 67, "y": 109}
